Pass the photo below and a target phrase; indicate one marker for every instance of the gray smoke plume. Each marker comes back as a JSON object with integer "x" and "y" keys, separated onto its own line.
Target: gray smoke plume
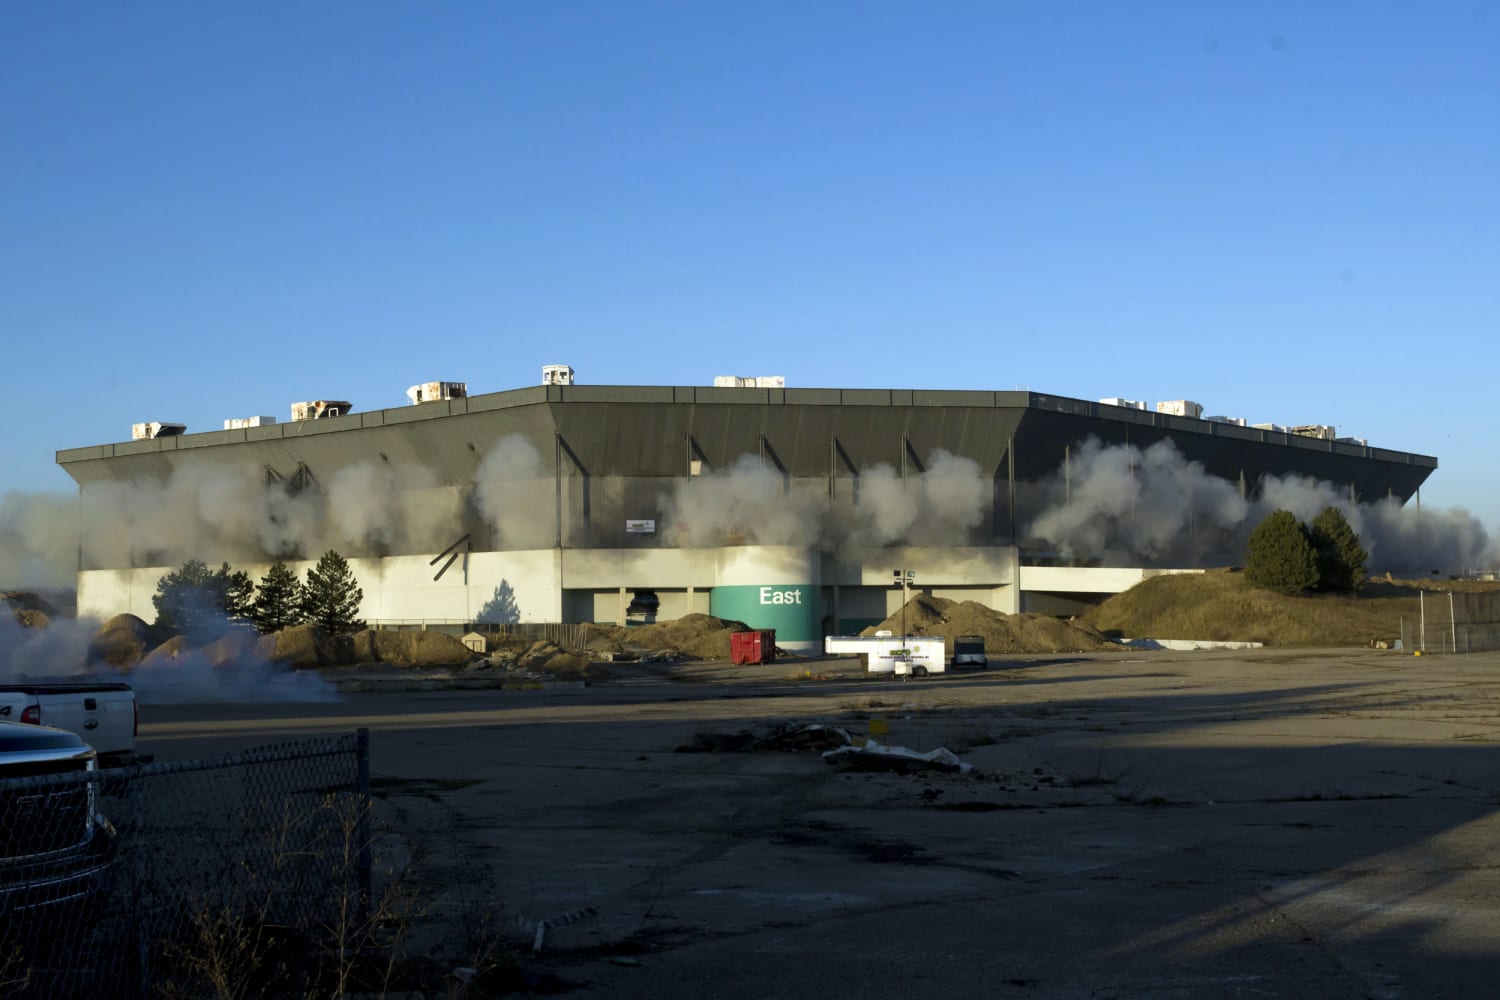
{"x": 387, "y": 508}
{"x": 514, "y": 492}
{"x": 939, "y": 507}
{"x": 38, "y": 540}
{"x": 61, "y": 651}
{"x": 753, "y": 502}
{"x": 1120, "y": 505}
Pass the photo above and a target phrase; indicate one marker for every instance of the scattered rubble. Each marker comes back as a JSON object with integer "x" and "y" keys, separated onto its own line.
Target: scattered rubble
{"x": 872, "y": 756}
{"x": 838, "y": 746}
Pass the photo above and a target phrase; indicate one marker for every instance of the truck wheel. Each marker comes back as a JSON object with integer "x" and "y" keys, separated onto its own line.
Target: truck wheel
{"x": 919, "y": 671}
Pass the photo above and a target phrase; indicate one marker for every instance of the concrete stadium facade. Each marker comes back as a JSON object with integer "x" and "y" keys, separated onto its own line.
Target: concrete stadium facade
{"x": 588, "y": 520}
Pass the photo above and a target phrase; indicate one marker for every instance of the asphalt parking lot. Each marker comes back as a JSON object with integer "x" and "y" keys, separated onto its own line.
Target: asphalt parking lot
{"x": 1208, "y": 824}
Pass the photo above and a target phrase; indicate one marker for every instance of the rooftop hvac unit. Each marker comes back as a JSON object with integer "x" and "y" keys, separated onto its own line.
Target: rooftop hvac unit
{"x": 1181, "y": 408}
{"x": 431, "y": 392}
{"x": 318, "y": 409}
{"x": 1268, "y": 427}
{"x": 1322, "y": 432}
{"x": 240, "y": 423}
{"x": 557, "y": 375}
{"x": 1236, "y": 421}
{"x": 1129, "y": 404}
{"x": 155, "y": 429}
{"x": 750, "y": 381}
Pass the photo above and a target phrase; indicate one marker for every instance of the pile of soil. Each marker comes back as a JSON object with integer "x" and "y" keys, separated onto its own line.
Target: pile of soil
{"x": 30, "y": 610}
{"x": 694, "y": 636}
{"x": 1003, "y": 633}
{"x": 121, "y": 642}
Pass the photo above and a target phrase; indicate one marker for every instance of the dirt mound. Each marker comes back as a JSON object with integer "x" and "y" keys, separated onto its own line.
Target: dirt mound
{"x": 120, "y": 642}
{"x": 239, "y": 645}
{"x": 31, "y": 618}
{"x": 1003, "y": 633}
{"x": 21, "y": 601}
{"x": 303, "y": 646}
{"x": 421, "y": 649}
{"x": 1220, "y": 605}
{"x": 165, "y": 655}
{"x": 698, "y": 636}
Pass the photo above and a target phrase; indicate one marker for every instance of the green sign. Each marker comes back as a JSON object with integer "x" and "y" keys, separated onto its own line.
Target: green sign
{"x": 792, "y": 609}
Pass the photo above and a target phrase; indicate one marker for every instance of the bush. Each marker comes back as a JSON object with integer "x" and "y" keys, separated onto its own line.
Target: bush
{"x": 1281, "y": 556}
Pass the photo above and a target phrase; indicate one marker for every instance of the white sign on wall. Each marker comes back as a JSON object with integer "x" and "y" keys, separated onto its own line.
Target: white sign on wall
{"x": 640, "y": 527}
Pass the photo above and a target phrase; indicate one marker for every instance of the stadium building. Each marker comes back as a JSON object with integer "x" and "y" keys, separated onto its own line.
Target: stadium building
{"x": 795, "y": 509}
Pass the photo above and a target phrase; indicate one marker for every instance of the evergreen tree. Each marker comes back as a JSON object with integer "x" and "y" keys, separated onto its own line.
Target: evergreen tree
{"x": 1280, "y": 556}
{"x": 1341, "y": 558}
{"x": 235, "y": 592}
{"x": 278, "y": 604}
{"x": 194, "y": 596}
{"x": 331, "y": 596}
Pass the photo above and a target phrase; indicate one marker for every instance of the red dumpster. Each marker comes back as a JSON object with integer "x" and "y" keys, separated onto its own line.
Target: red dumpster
{"x": 754, "y": 646}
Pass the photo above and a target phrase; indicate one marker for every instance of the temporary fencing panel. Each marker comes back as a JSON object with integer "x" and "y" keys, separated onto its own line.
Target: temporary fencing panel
{"x": 175, "y": 879}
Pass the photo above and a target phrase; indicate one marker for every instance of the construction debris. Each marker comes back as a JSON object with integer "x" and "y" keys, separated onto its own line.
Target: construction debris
{"x": 872, "y": 756}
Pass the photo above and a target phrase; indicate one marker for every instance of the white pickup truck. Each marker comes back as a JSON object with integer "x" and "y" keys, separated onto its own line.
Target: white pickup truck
{"x": 103, "y": 714}
{"x": 56, "y": 851}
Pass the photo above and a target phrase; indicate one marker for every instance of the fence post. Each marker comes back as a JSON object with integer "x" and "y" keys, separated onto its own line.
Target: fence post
{"x": 1453, "y": 622}
{"x": 362, "y": 822}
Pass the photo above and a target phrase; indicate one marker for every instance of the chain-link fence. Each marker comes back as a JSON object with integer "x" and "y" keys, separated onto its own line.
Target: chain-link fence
{"x": 1453, "y": 622}
{"x": 245, "y": 875}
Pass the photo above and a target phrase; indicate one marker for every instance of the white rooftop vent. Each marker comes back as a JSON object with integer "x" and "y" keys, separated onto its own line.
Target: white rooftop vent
{"x": 319, "y": 409}
{"x": 1181, "y": 408}
{"x": 1129, "y": 404}
{"x": 155, "y": 429}
{"x": 557, "y": 375}
{"x": 750, "y": 381}
{"x": 240, "y": 423}
{"x": 431, "y": 392}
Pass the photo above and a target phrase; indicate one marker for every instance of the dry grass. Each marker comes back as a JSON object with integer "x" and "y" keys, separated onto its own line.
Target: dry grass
{"x": 1221, "y": 605}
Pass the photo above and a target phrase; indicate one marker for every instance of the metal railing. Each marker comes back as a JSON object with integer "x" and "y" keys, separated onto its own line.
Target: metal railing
{"x": 178, "y": 879}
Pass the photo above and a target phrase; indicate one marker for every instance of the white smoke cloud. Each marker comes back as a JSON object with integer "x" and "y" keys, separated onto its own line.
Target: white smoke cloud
{"x": 514, "y": 492}
{"x": 38, "y": 540}
{"x": 752, "y": 502}
{"x": 61, "y": 651}
{"x": 1121, "y": 505}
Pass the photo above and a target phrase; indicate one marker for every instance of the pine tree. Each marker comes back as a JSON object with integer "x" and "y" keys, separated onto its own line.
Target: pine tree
{"x": 331, "y": 596}
{"x": 278, "y": 604}
{"x": 183, "y": 596}
{"x": 1280, "y": 556}
{"x": 1341, "y": 558}
{"x": 194, "y": 596}
{"x": 235, "y": 592}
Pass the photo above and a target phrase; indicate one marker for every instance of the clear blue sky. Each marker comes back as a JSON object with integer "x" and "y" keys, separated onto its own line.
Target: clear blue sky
{"x": 1285, "y": 211}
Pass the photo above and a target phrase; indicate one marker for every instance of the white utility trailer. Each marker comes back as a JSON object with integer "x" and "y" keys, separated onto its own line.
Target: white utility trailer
{"x": 912, "y": 655}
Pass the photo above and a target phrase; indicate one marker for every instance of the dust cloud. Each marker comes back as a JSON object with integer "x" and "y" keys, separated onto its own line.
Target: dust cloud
{"x": 514, "y": 492}
{"x": 38, "y": 540}
{"x": 61, "y": 652}
{"x": 752, "y": 502}
{"x": 1114, "y": 505}
{"x": 1121, "y": 505}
